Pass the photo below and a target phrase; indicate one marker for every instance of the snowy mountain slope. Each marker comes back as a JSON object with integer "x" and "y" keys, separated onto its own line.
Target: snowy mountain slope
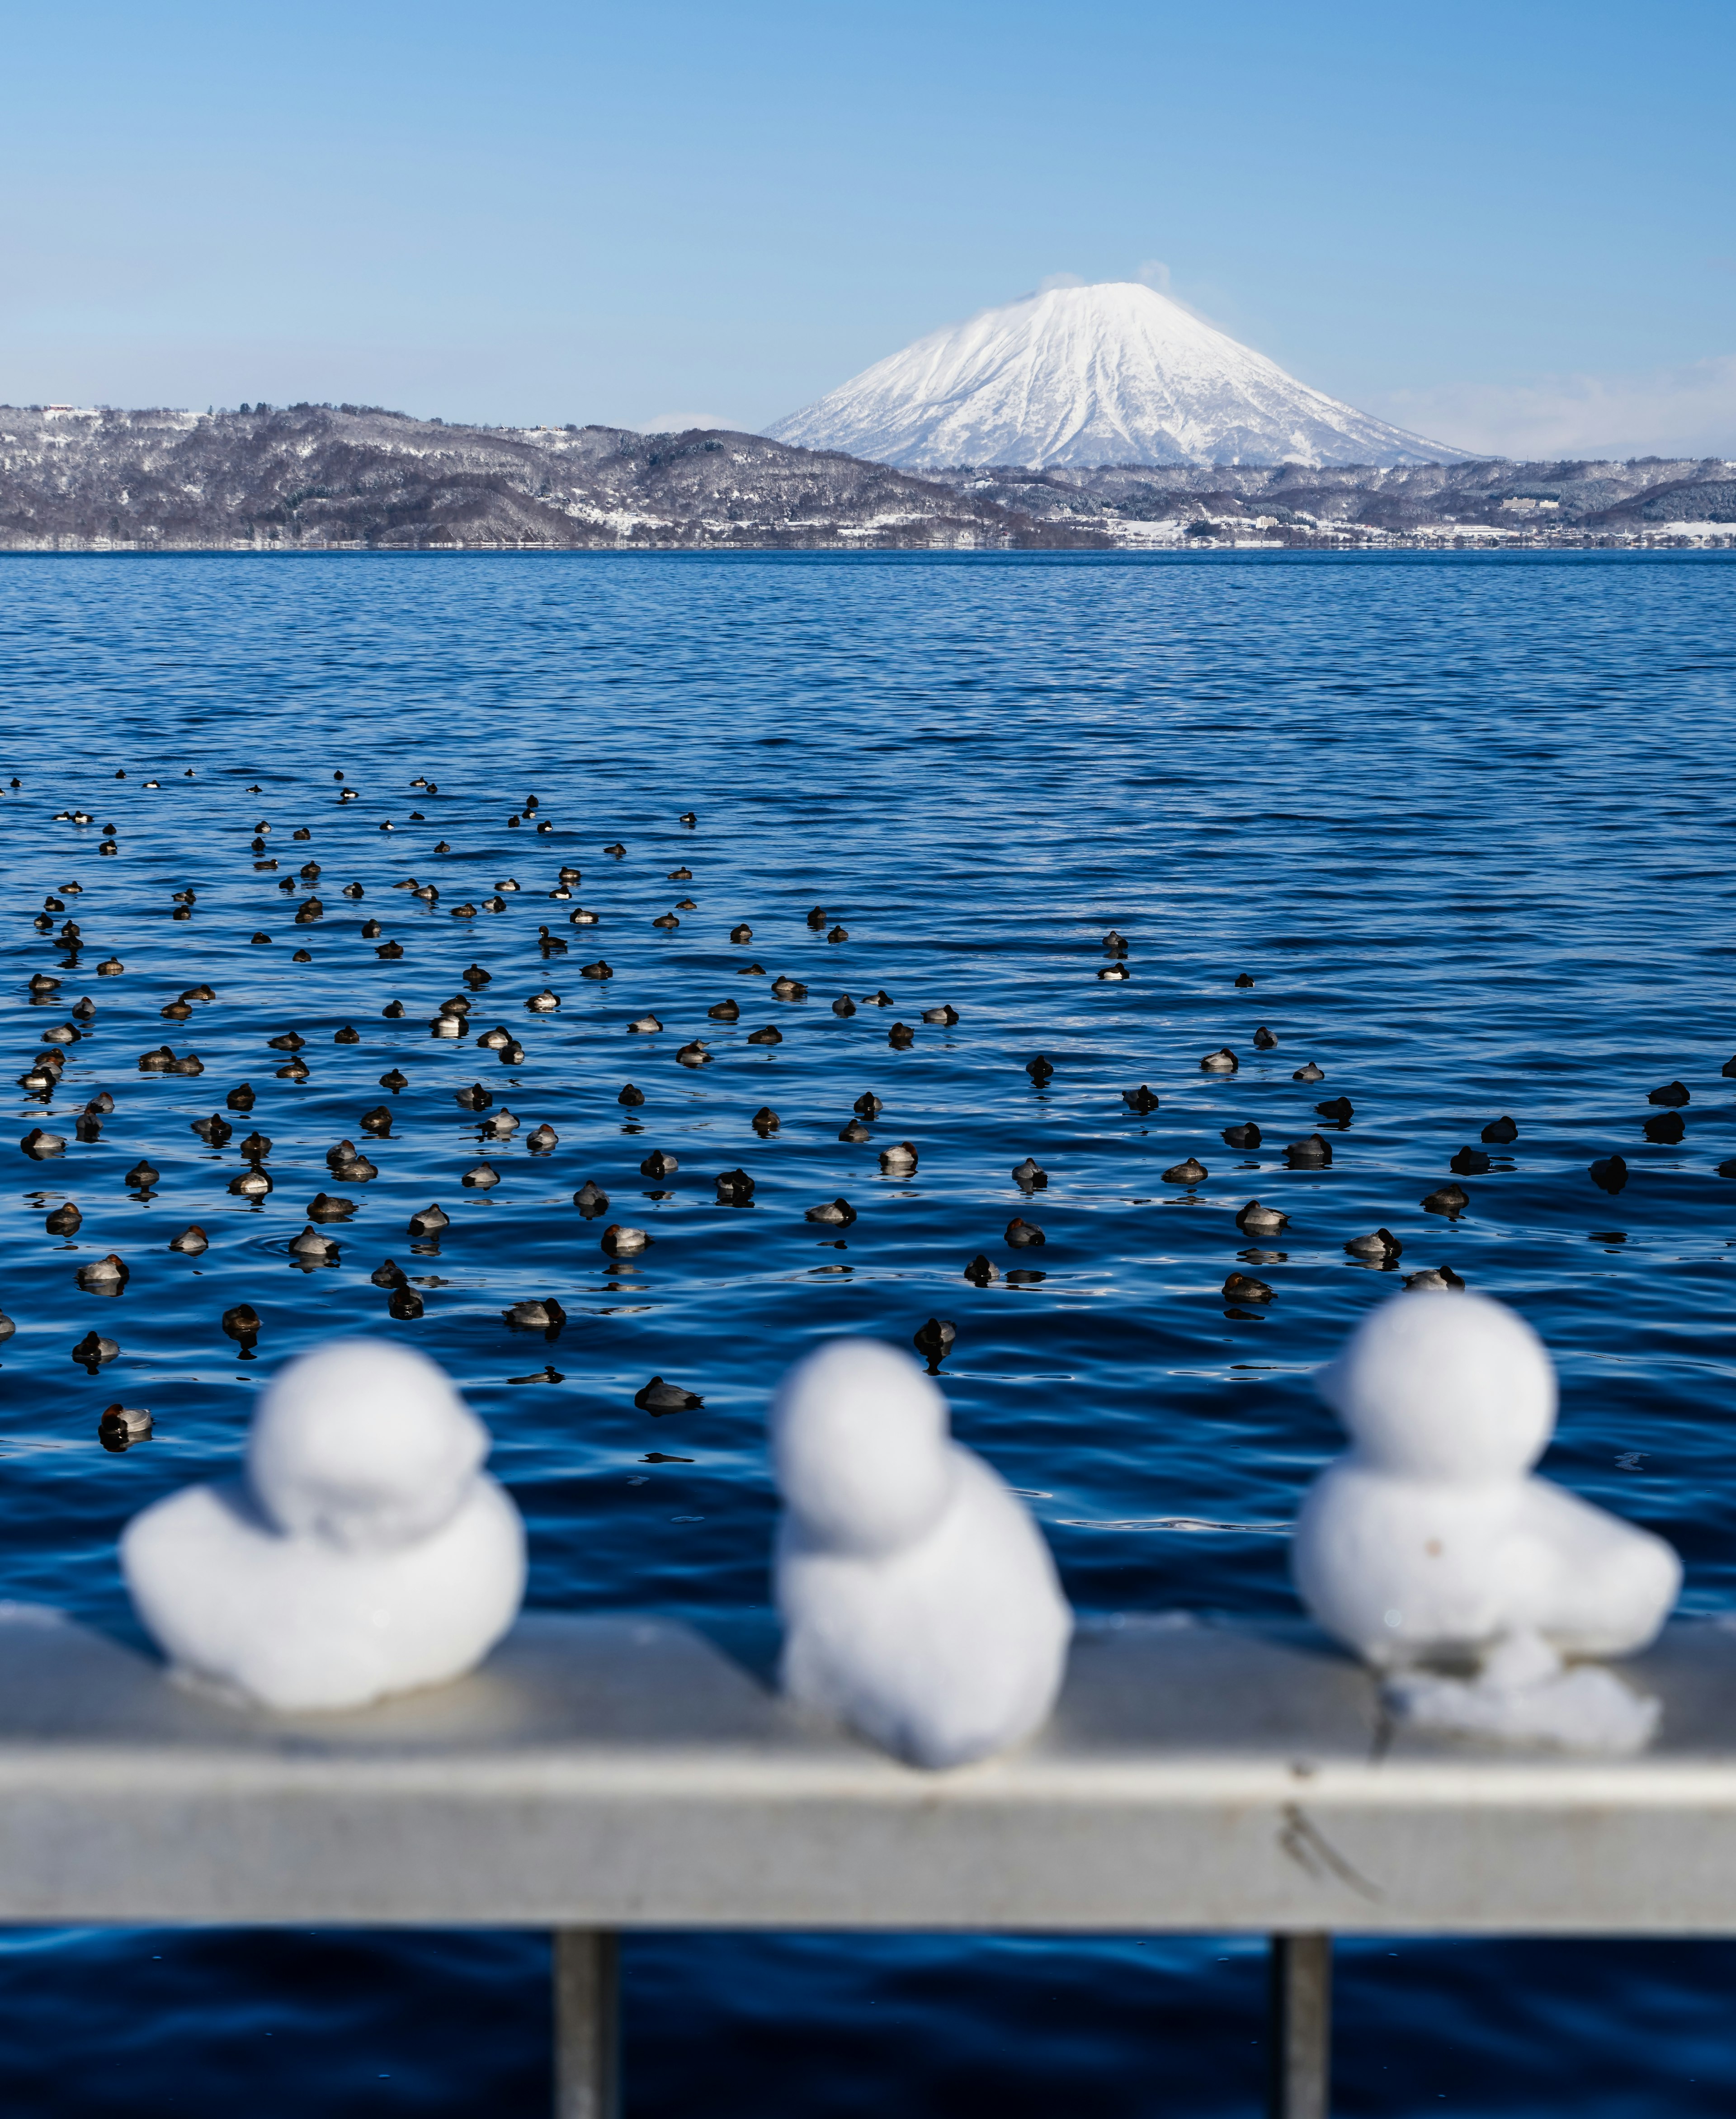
{"x": 1115, "y": 374}
{"x": 315, "y": 475}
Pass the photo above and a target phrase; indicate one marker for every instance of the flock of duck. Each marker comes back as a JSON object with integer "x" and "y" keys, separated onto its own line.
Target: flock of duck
{"x": 364, "y": 1551}
{"x": 1258, "y": 1222}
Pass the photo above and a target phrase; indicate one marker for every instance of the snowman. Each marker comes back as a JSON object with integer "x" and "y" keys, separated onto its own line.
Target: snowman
{"x": 364, "y": 1552}
{"x": 919, "y": 1601}
{"x": 1430, "y": 1540}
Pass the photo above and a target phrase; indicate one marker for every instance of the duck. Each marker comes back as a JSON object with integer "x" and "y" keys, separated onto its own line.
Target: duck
{"x": 1380, "y": 1247}
{"x": 1500, "y": 1131}
{"x": 946, "y": 1014}
{"x": 316, "y": 1250}
{"x": 1434, "y": 1277}
{"x": 192, "y": 1241}
{"x": 934, "y": 1341}
{"x": 765, "y": 1121}
{"x": 899, "y": 1159}
{"x": 1339, "y": 1110}
{"x": 545, "y": 1315}
{"x": 1142, "y": 1100}
{"x": 242, "y": 1325}
{"x": 836, "y": 1213}
{"x": 1245, "y": 1287}
{"x": 868, "y": 1105}
{"x": 1609, "y": 1173}
{"x": 105, "y": 1275}
{"x": 1449, "y": 1199}
{"x": 734, "y": 1188}
{"x": 1222, "y": 1061}
{"x": 1308, "y": 1072}
{"x": 620, "y": 1241}
{"x": 1255, "y": 1220}
{"x": 1022, "y": 1234}
{"x": 1468, "y": 1162}
{"x": 1241, "y": 1136}
{"x": 659, "y": 1163}
{"x": 1263, "y": 1041}
{"x": 542, "y": 1139}
{"x": 920, "y": 1603}
{"x": 694, "y": 1054}
{"x": 1312, "y": 1153}
{"x": 981, "y": 1270}
{"x": 844, "y": 1005}
{"x": 590, "y": 1199}
{"x": 658, "y": 1399}
{"x": 854, "y": 1132}
{"x": 1431, "y": 1535}
{"x": 1040, "y": 1069}
{"x": 631, "y": 1097}
{"x": 363, "y": 1552}
{"x": 1192, "y": 1171}
{"x": 1030, "y": 1176}
{"x": 122, "y": 1426}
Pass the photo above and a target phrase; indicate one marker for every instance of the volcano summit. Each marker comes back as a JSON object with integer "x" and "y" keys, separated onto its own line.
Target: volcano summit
{"x": 1116, "y": 373}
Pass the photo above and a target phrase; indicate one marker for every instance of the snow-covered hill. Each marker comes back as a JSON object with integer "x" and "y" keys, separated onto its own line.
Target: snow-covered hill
{"x": 1116, "y": 373}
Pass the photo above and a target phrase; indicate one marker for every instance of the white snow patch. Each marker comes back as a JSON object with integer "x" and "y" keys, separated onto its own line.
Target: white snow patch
{"x": 1524, "y": 1694}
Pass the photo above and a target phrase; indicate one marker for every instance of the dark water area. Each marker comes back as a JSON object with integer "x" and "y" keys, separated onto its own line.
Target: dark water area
{"x": 1464, "y": 819}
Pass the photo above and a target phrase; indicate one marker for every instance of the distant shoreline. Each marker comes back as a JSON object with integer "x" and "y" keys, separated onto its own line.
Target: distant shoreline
{"x": 350, "y": 478}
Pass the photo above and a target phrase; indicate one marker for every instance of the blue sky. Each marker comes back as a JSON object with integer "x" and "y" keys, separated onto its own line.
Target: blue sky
{"x": 1508, "y": 225}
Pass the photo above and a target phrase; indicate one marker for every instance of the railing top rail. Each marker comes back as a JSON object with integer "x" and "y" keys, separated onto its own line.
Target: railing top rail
{"x": 620, "y": 1771}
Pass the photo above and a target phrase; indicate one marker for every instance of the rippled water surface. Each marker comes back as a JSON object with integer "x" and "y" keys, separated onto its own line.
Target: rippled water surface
{"x": 1464, "y": 821}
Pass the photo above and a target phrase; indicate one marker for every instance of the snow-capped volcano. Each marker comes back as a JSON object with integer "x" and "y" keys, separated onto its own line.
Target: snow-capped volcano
{"x": 1116, "y": 373}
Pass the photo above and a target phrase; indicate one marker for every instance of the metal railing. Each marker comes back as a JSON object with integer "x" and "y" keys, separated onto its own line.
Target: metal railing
{"x": 598, "y": 1775}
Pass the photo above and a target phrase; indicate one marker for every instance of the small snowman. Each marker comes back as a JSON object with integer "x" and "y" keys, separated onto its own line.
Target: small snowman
{"x": 920, "y": 1602}
{"x": 1429, "y": 1539}
{"x": 365, "y": 1551}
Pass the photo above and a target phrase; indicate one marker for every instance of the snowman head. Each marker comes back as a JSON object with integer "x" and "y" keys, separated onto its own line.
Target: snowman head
{"x": 860, "y": 1447}
{"x": 1449, "y": 1387}
{"x": 364, "y": 1445}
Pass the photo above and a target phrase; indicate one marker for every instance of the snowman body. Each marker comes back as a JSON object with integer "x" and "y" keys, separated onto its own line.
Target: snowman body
{"x": 919, "y": 1602}
{"x": 1431, "y": 1538}
{"x": 365, "y": 1553}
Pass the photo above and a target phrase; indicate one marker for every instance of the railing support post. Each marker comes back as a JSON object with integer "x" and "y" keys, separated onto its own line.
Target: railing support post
{"x": 1299, "y": 2027}
{"x": 587, "y": 2068}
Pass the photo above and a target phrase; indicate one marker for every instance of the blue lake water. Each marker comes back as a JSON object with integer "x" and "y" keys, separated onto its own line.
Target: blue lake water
{"x": 1464, "y": 820}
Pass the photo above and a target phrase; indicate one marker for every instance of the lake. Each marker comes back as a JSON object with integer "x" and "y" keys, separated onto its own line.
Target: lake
{"x": 1463, "y": 820}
